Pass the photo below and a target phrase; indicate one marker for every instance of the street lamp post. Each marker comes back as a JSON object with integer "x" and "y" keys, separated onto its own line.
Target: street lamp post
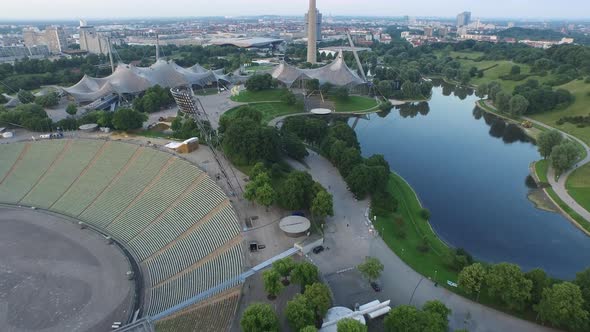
{"x": 435, "y": 275}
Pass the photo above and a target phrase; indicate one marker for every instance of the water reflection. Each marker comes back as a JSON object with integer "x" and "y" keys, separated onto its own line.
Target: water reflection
{"x": 470, "y": 169}
{"x": 413, "y": 109}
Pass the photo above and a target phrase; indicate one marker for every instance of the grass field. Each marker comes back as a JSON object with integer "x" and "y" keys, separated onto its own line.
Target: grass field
{"x": 355, "y": 104}
{"x": 206, "y": 92}
{"x": 258, "y": 96}
{"x": 493, "y": 69}
{"x": 578, "y": 185}
{"x": 270, "y": 110}
{"x": 416, "y": 229}
{"x": 581, "y": 106}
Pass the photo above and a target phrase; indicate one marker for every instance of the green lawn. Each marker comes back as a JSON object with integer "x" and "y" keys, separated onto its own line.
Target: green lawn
{"x": 270, "y": 110}
{"x": 493, "y": 69}
{"x": 354, "y": 104}
{"x": 541, "y": 167}
{"x": 416, "y": 229}
{"x": 581, "y": 106}
{"x": 580, "y": 194}
{"x": 578, "y": 185}
{"x": 246, "y": 96}
{"x": 206, "y": 92}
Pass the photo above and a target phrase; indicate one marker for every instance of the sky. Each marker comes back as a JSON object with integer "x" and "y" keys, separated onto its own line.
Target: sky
{"x": 88, "y": 9}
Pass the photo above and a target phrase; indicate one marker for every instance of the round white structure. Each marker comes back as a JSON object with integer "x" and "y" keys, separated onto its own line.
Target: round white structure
{"x": 295, "y": 226}
{"x": 335, "y": 314}
{"x": 89, "y": 127}
{"x": 321, "y": 111}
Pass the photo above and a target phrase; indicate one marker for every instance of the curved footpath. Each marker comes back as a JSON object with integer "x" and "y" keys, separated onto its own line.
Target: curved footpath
{"x": 349, "y": 241}
{"x": 559, "y": 186}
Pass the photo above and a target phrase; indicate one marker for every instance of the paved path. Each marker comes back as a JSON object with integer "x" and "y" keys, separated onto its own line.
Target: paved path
{"x": 349, "y": 241}
{"x": 559, "y": 186}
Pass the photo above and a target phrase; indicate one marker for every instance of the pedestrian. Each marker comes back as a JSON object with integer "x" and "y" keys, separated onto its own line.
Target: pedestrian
{"x": 346, "y": 225}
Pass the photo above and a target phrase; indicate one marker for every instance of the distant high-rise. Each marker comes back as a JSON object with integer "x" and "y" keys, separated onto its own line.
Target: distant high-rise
{"x": 91, "y": 41}
{"x": 52, "y": 37}
{"x": 318, "y": 24}
{"x": 463, "y": 19}
{"x": 312, "y": 32}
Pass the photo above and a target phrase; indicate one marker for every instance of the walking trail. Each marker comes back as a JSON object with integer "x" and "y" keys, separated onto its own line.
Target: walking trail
{"x": 559, "y": 186}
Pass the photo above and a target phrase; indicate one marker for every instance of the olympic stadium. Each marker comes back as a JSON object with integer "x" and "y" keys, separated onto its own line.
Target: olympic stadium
{"x": 98, "y": 232}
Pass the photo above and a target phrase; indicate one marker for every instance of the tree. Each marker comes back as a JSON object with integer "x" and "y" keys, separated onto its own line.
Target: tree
{"x": 438, "y": 308}
{"x": 309, "y": 328}
{"x": 540, "y": 282}
{"x": 259, "y": 317}
{"x": 305, "y": 274}
{"x": 547, "y": 141}
{"x": 265, "y": 195}
{"x": 25, "y": 97}
{"x": 564, "y": 156}
{"x": 272, "y": 283}
{"x": 518, "y": 105}
{"x": 371, "y": 268}
{"x": 260, "y": 190}
{"x": 403, "y": 318}
{"x": 294, "y": 147}
{"x": 472, "y": 278}
{"x": 128, "y": 119}
{"x": 583, "y": 281}
{"x": 359, "y": 181}
{"x": 502, "y": 101}
{"x": 295, "y": 193}
{"x": 322, "y": 205}
{"x": 260, "y": 82}
{"x": 72, "y": 109}
{"x": 507, "y": 283}
{"x": 350, "y": 325}
{"x": 563, "y": 306}
{"x": 49, "y": 100}
{"x": 319, "y": 298}
{"x": 284, "y": 267}
{"x": 299, "y": 313}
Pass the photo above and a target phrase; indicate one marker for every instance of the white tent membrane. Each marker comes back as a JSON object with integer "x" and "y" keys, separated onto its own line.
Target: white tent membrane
{"x": 128, "y": 79}
{"x": 336, "y": 73}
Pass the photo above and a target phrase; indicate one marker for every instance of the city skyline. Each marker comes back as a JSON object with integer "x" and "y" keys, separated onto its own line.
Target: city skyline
{"x": 70, "y": 9}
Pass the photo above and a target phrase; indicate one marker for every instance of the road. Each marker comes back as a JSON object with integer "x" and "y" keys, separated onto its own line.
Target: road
{"x": 559, "y": 186}
{"x": 348, "y": 241}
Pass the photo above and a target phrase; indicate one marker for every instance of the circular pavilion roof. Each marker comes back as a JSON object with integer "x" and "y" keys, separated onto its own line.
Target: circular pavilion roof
{"x": 294, "y": 224}
{"x": 321, "y": 111}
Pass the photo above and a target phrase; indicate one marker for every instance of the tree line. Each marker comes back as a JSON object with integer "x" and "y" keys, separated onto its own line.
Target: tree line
{"x": 562, "y": 304}
{"x": 248, "y": 142}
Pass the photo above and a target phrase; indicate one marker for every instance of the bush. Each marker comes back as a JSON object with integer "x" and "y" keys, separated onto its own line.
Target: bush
{"x": 424, "y": 245}
{"x": 425, "y": 213}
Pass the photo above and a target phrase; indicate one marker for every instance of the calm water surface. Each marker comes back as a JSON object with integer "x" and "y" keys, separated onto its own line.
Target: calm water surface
{"x": 469, "y": 170}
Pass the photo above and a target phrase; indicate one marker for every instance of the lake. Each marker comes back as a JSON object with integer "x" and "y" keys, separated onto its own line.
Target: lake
{"x": 469, "y": 169}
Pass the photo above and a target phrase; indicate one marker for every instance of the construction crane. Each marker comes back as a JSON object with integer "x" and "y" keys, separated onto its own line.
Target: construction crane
{"x": 356, "y": 56}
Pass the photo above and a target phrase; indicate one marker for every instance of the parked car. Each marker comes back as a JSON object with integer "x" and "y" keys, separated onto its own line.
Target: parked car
{"x": 318, "y": 249}
{"x": 375, "y": 286}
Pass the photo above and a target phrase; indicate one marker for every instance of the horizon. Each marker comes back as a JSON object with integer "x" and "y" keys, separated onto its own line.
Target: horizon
{"x": 60, "y": 10}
